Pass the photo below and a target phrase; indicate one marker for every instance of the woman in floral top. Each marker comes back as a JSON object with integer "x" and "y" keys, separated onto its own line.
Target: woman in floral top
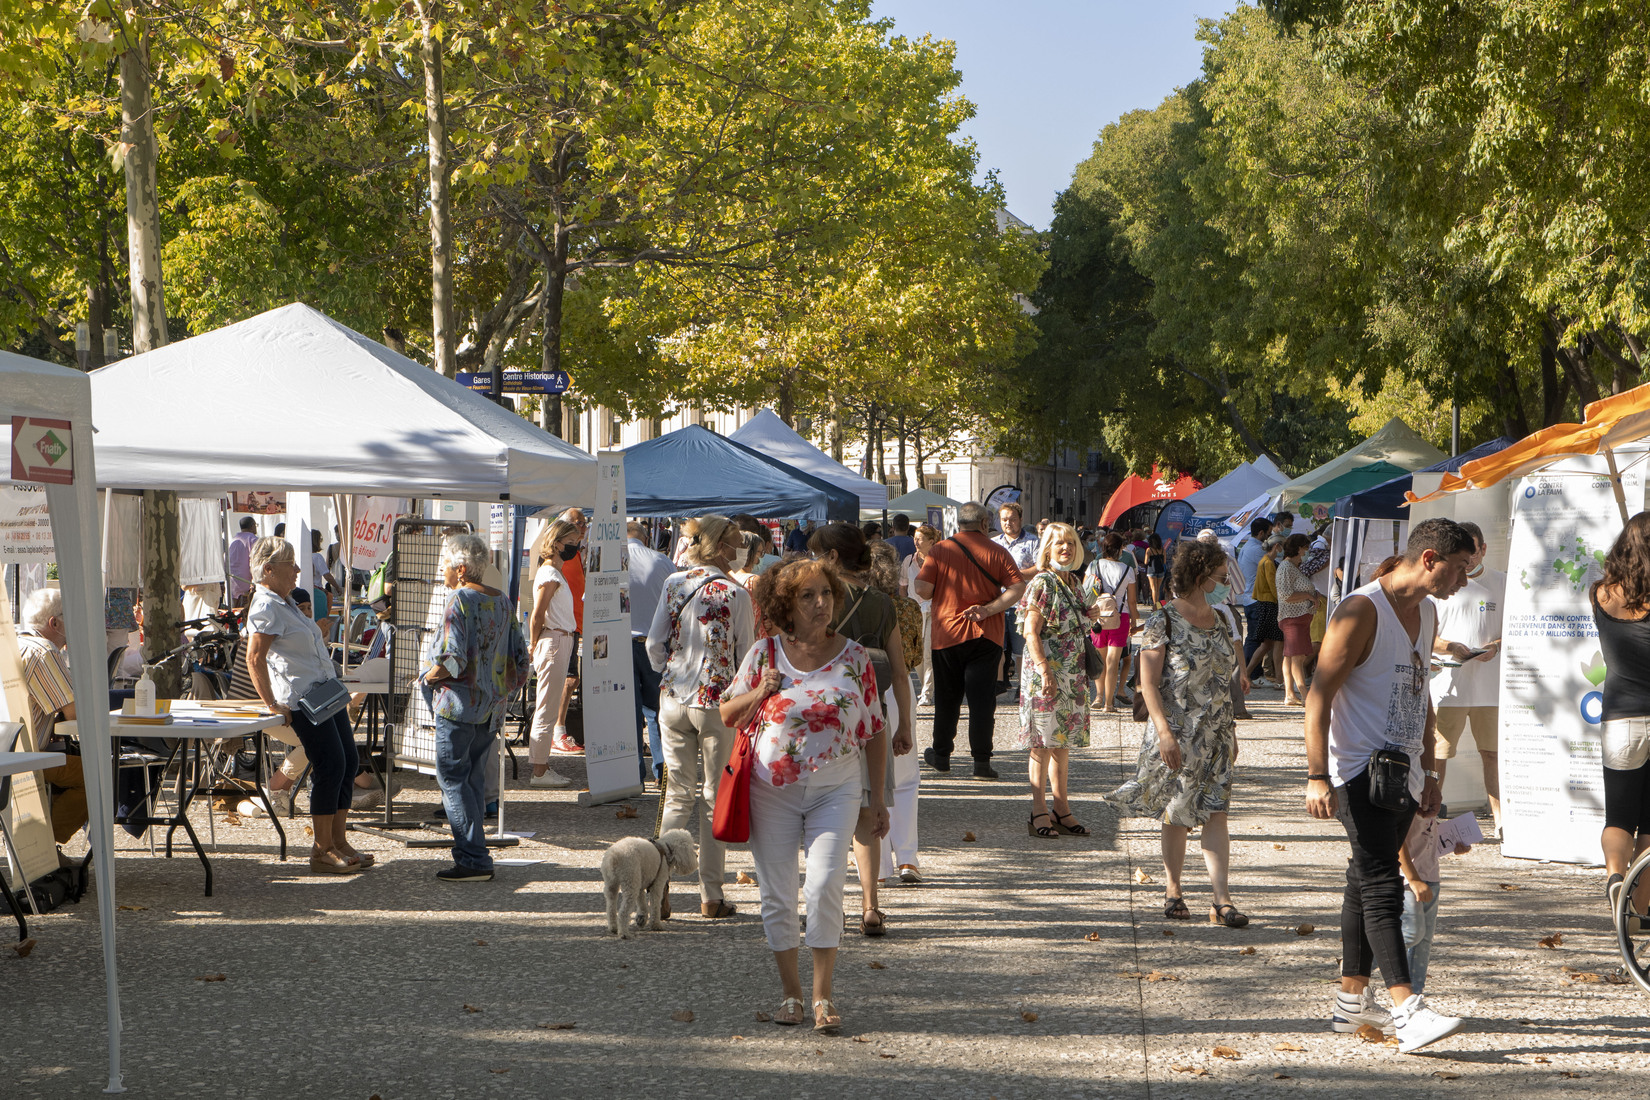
{"x": 700, "y": 632}
{"x": 814, "y": 698}
{"x": 1184, "y": 775}
{"x": 1054, "y": 704}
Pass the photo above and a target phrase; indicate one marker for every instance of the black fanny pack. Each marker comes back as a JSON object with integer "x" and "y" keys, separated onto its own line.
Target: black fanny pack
{"x": 1389, "y": 781}
{"x": 323, "y": 700}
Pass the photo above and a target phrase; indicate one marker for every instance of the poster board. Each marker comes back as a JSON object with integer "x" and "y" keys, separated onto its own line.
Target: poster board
{"x": 25, "y": 528}
{"x": 1564, "y": 519}
{"x": 611, "y": 737}
{"x": 28, "y": 818}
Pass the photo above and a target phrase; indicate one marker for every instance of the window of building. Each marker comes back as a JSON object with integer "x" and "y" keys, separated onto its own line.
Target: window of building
{"x": 570, "y": 418}
{"x": 936, "y": 484}
{"x": 615, "y": 429}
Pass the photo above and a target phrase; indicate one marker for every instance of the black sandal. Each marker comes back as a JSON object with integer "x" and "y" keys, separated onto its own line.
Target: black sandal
{"x": 866, "y": 928}
{"x": 1175, "y": 909}
{"x": 1228, "y": 915}
{"x": 1074, "y": 829}
{"x": 1047, "y": 832}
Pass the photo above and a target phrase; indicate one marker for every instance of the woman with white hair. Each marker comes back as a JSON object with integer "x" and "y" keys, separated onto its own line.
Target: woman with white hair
{"x": 286, "y": 659}
{"x": 1054, "y": 707}
{"x": 475, "y": 662}
{"x": 700, "y": 632}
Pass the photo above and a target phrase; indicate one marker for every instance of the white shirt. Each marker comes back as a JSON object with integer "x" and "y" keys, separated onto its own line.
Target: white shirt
{"x": 1472, "y": 617}
{"x": 1383, "y": 703}
{"x": 1023, "y": 549}
{"x": 909, "y": 568}
{"x": 298, "y": 657}
{"x": 1113, "y": 578}
{"x": 560, "y": 615}
{"x": 649, "y": 570}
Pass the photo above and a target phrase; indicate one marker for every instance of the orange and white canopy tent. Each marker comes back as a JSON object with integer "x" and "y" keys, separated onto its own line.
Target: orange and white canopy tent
{"x": 1609, "y": 423}
{"x": 1139, "y": 490}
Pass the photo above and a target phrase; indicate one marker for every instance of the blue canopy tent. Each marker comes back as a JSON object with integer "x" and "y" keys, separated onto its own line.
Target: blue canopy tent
{"x": 1386, "y": 500}
{"x": 693, "y": 470}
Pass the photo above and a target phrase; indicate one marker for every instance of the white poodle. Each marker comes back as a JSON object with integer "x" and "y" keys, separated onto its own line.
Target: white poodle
{"x": 641, "y": 867}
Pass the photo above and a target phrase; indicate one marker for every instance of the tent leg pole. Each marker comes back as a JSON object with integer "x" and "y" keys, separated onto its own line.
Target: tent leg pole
{"x": 1615, "y": 482}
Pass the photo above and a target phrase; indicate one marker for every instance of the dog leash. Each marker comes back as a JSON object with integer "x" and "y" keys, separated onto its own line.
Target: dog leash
{"x": 664, "y": 860}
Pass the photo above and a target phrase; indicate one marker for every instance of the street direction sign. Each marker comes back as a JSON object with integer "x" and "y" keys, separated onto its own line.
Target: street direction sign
{"x": 518, "y": 381}
{"x": 42, "y": 450}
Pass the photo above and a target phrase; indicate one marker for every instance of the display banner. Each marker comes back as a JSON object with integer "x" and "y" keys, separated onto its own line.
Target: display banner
{"x": 372, "y": 530}
{"x": 25, "y": 529}
{"x": 610, "y": 732}
{"x": 1552, "y": 780}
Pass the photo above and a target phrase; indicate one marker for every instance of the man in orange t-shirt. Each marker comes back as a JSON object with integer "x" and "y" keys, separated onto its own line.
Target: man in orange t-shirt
{"x": 572, "y": 571}
{"x": 971, "y": 581}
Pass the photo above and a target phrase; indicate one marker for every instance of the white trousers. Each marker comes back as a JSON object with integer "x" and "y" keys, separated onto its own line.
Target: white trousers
{"x": 816, "y": 813}
{"x": 550, "y": 658}
{"x": 697, "y": 746}
{"x": 900, "y": 845}
{"x": 926, "y": 689}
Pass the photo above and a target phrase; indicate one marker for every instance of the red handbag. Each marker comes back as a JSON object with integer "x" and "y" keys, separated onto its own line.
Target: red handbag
{"x": 732, "y": 820}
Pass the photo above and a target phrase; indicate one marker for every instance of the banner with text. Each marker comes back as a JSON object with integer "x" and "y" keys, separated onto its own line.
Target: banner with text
{"x": 610, "y": 732}
{"x": 373, "y": 529}
{"x": 25, "y": 528}
{"x": 1552, "y": 780}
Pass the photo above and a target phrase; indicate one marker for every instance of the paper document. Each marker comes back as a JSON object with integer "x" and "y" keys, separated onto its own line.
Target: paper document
{"x": 1462, "y": 829}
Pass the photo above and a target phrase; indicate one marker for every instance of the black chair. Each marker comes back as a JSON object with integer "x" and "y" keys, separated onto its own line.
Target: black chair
{"x": 9, "y": 732}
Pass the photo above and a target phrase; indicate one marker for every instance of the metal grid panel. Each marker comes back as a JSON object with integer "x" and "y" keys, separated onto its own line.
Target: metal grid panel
{"x": 420, "y": 600}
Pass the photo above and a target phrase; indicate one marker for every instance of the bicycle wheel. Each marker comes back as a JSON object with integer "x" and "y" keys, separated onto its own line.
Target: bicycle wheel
{"x": 1635, "y": 946}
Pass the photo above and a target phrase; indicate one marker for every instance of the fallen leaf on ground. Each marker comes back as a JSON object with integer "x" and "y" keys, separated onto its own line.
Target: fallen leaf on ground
{"x": 1295, "y": 1047}
{"x": 567, "y": 1025}
{"x": 874, "y": 965}
{"x": 1583, "y": 976}
{"x": 1168, "y": 931}
{"x": 1226, "y": 1052}
{"x": 231, "y": 819}
{"x": 220, "y": 804}
{"x": 1281, "y": 1077}
{"x": 1279, "y": 847}
{"x": 23, "y": 948}
{"x": 1553, "y": 940}
{"x": 1305, "y": 929}
{"x": 471, "y": 1008}
{"x": 1141, "y": 876}
{"x": 1509, "y": 886}
{"x": 1616, "y": 977}
{"x": 1371, "y": 1034}
{"x": 131, "y": 908}
{"x": 738, "y": 1038}
{"x": 1246, "y": 951}
{"x": 1572, "y": 1073}
{"x": 1029, "y": 1017}
{"x": 1391, "y": 1041}
{"x": 1542, "y": 1060}
{"x": 1195, "y": 1071}
{"x": 481, "y": 943}
{"x": 862, "y": 1038}
{"x": 968, "y": 836}
{"x": 1446, "y": 1075}
{"x": 887, "y": 1056}
{"x": 625, "y": 811}
{"x": 212, "y": 977}
{"x": 1092, "y": 937}
{"x": 745, "y": 878}
{"x": 763, "y": 1017}
{"x": 1159, "y": 976}
{"x": 682, "y": 1015}
{"x": 505, "y": 1070}
{"x": 308, "y": 831}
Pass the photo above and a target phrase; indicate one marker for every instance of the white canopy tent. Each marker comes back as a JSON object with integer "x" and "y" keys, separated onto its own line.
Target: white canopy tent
{"x": 767, "y": 433}
{"x": 1227, "y": 495}
{"x": 30, "y": 388}
{"x": 914, "y": 504}
{"x": 1396, "y": 443}
{"x": 291, "y": 399}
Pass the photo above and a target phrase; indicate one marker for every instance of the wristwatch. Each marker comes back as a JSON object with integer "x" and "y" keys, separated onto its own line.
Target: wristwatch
{"x": 1430, "y": 774}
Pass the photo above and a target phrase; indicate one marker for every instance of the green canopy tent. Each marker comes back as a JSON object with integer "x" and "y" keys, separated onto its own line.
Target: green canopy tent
{"x": 1318, "y": 502}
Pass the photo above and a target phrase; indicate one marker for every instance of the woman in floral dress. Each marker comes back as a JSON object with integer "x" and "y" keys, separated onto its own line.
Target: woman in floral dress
{"x": 809, "y": 699}
{"x": 1184, "y": 774}
{"x": 1054, "y": 704}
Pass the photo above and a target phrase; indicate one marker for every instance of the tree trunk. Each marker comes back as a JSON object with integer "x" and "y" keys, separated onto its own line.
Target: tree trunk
{"x": 555, "y": 286}
{"x": 445, "y": 357}
{"x": 786, "y": 403}
{"x": 882, "y": 464}
{"x": 904, "y": 478}
{"x": 916, "y": 443}
{"x": 836, "y": 431}
{"x": 1555, "y": 387}
{"x": 1514, "y": 420}
{"x": 162, "y": 607}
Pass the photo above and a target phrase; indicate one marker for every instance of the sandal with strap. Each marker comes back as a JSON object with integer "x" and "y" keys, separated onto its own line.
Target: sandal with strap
{"x": 717, "y": 909}
{"x": 1074, "y": 829}
{"x": 823, "y": 1021}
{"x": 1228, "y": 915}
{"x": 866, "y": 928}
{"x": 790, "y": 1007}
{"x": 1047, "y": 832}
{"x": 1175, "y": 909}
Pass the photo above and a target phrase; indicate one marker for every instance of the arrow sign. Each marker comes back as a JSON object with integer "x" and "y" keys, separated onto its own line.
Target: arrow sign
{"x": 42, "y": 450}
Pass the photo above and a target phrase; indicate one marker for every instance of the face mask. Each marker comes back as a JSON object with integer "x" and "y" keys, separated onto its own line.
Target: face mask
{"x": 1219, "y": 592}
{"x": 568, "y": 553}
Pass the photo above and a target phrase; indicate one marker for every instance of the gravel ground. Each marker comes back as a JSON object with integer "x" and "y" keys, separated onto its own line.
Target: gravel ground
{"x": 1013, "y": 971}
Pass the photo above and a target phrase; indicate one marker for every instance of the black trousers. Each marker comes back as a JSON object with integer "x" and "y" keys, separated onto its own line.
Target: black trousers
{"x": 1372, "y": 909}
{"x": 967, "y": 671}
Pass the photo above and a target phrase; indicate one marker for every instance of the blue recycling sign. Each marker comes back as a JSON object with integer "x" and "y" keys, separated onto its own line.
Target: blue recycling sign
{"x": 518, "y": 381}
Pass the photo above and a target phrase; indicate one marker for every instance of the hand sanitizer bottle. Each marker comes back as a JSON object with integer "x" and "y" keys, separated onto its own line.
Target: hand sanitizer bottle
{"x": 143, "y": 696}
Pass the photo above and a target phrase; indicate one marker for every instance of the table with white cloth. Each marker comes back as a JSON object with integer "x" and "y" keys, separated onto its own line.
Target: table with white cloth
{"x": 16, "y": 763}
{"x": 194, "y": 724}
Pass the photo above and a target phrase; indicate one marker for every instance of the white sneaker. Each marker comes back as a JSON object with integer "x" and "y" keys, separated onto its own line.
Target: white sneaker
{"x": 1416, "y": 1025}
{"x": 370, "y": 798}
{"x": 550, "y": 778}
{"x": 281, "y": 800}
{"x": 1353, "y": 1012}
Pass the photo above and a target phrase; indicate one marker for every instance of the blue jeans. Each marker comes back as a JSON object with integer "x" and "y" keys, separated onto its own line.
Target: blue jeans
{"x": 1419, "y": 921}
{"x": 647, "y": 707}
{"x": 462, "y": 750}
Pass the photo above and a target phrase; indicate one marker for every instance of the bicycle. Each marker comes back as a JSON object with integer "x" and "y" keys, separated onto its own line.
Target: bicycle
{"x": 1635, "y": 957}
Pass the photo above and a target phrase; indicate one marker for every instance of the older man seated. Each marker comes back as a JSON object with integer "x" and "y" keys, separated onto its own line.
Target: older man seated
{"x": 46, "y": 672}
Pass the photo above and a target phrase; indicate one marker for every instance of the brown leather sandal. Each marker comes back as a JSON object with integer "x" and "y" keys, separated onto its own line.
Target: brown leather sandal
{"x": 866, "y": 928}
{"x": 717, "y": 909}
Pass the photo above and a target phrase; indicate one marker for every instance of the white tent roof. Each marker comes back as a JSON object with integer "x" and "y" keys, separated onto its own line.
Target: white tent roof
{"x": 767, "y": 433}
{"x": 29, "y": 387}
{"x": 1225, "y": 496}
{"x": 914, "y": 504}
{"x": 1396, "y": 443}
{"x": 291, "y": 399}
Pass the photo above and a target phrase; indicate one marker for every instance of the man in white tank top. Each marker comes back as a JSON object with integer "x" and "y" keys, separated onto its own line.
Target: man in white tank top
{"x": 1370, "y": 694}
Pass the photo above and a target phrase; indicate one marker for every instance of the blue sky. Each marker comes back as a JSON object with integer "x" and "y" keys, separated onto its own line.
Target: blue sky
{"x": 1046, "y": 75}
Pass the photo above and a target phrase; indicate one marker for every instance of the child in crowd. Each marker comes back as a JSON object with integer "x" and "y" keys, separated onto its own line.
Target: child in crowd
{"x": 1418, "y": 859}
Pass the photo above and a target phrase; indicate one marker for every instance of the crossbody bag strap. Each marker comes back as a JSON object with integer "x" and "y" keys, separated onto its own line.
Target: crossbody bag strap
{"x": 840, "y": 623}
{"x": 953, "y": 541}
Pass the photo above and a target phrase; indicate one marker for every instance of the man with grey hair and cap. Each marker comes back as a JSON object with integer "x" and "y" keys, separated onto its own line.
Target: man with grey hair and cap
{"x": 51, "y": 696}
{"x": 971, "y": 581}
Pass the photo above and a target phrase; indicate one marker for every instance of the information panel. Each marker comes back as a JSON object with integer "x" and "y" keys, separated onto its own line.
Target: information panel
{"x": 610, "y": 731}
{"x": 1552, "y": 781}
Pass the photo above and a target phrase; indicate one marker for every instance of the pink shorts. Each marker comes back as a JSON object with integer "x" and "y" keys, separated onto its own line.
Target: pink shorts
{"x": 1115, "y": 638}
